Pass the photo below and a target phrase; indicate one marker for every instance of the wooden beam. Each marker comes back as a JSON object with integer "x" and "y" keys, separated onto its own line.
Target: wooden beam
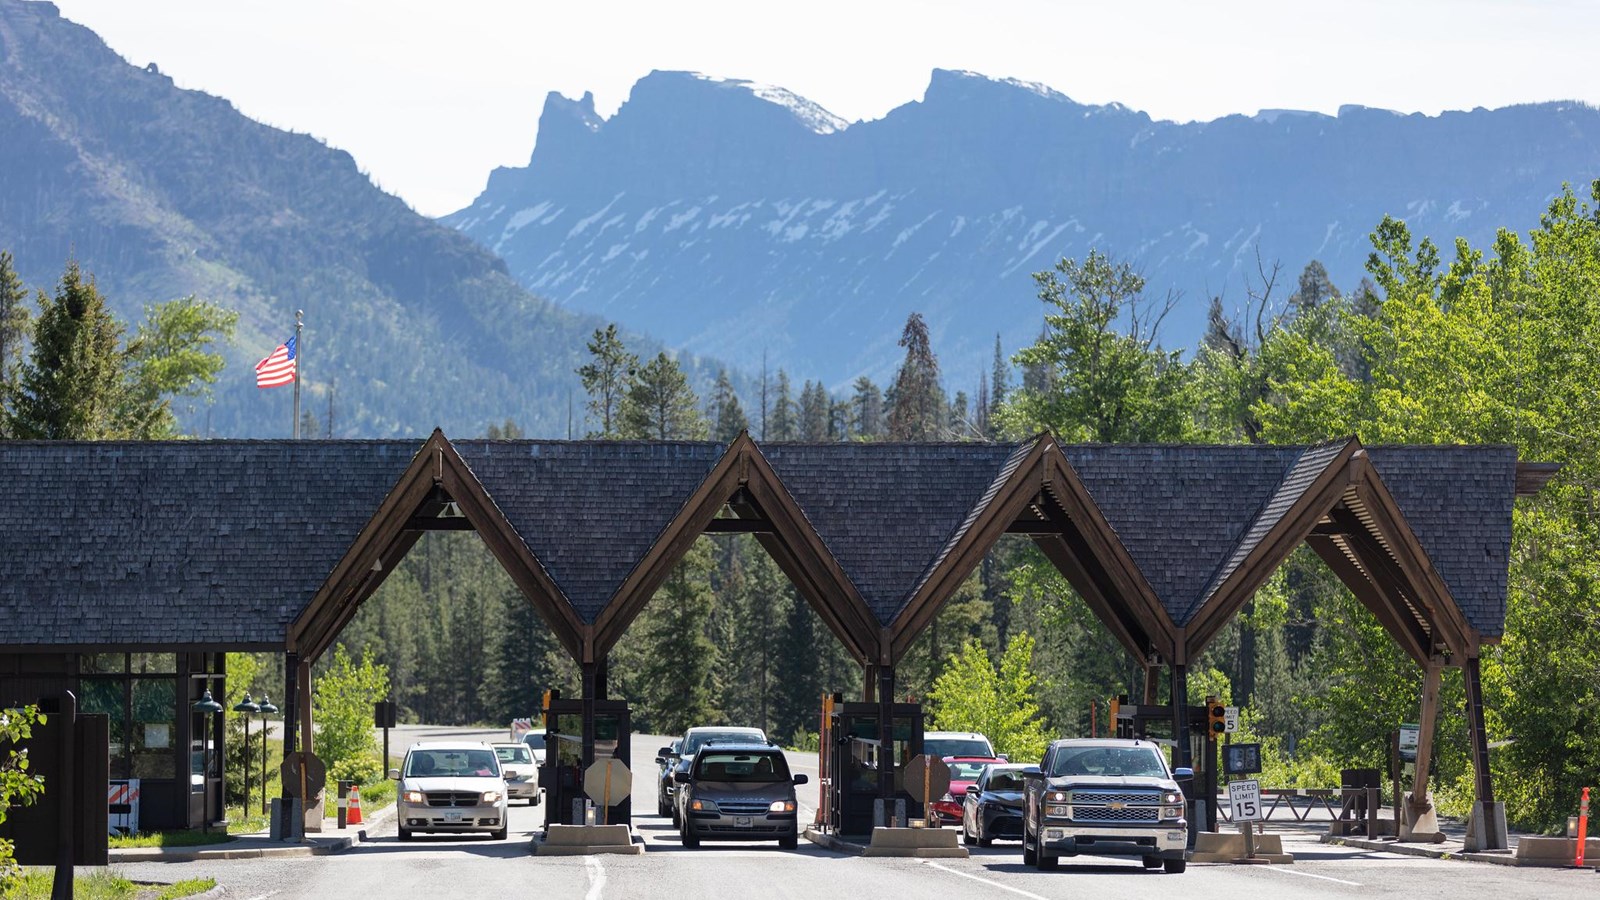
{"x": 1448, "y": 623}
{"x": 434, "y": 523}
{"x": 739, "y": 526}
{"x": 1533, "y": 476}
{"x": 1032, "y": 527}
{"x": 1390, "y": 611}
{"x": 1431, "y": 672}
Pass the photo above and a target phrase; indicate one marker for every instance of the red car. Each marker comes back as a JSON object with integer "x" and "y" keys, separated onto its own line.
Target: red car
{"x": 964, "y": 770}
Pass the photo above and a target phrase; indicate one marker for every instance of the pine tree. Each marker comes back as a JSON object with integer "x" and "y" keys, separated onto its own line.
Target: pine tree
{"x": 13, "y": 319}
{"x": 660, "y": 405}
{"x": 960, "y": 421}
{"x": 72, "y": 385}
{"x": 813, "y": 412}
{"x": 999, "y": 379}
{"x": 607, "y": 378}
{"x": 839, "y": 420}
{"x": 676, "y": 673}
{"x": 784, "y": 415}
{"x": 867, "y": 405}
{"x": 727, "y": 417}
{"x": 918, "y": 409}
{"x": 510, "y": 431}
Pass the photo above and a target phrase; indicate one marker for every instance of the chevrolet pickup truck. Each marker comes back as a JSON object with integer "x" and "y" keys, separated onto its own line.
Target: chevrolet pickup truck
{"x": 1103, "y": 797}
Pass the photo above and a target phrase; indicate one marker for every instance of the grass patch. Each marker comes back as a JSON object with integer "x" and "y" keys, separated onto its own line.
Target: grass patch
{"x": 35, "y": 884}
{"x": 183, "y": 838}
{"x": 186, "y": 888}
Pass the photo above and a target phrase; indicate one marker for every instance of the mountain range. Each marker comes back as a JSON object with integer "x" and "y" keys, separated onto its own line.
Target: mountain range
{"x": 739, "y": 220}
{"x": 161, "y": 192}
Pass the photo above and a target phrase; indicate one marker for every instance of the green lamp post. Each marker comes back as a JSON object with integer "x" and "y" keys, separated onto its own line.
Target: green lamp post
{"x": 249, "y": 708}
{"x": 268, "y": 708}
{"x": 211, "y": 707}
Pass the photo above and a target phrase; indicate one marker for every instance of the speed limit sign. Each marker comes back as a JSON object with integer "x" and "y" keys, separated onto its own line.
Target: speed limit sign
{"x": 1245, "y": 798}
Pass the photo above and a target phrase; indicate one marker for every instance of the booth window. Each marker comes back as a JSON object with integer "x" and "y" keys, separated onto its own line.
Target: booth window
{"x": 154, "y": 727}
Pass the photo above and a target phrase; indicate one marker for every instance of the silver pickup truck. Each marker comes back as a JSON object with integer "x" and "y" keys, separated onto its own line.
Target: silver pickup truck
{"x": 1103, "y": 797}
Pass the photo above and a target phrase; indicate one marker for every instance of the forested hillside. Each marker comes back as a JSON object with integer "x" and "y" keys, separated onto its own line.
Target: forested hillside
{"x": 1486, "y": 345}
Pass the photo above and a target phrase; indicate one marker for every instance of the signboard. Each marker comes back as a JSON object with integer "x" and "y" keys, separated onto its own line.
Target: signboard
{"x": 934, "y": 775}
{"x": 1241, "y": 759}
{"x": 607, "y": 782}
{"x": 520, "y": 727}
{"x": 1231, "y": 720}
{"x": 384, "y": 713}
{"x": 1409, "y": 733}
{"x": 1245, "y": 799}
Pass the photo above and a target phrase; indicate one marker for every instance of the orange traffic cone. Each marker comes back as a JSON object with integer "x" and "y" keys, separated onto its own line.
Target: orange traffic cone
{"x": 354, "y": 817}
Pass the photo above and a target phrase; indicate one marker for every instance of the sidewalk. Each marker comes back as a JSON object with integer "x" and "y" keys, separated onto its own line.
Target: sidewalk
{"x": 259, "y": 845}
{"x": 1453, "y": 846}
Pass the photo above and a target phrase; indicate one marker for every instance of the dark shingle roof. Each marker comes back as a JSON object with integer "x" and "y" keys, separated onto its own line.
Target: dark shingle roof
{"x": 887, "y": 511}
{"x": 196, "y": 542}
{"x": 1458, "y": 502}
{"x": 589, "y": 510}
{"x": 1180, "y": 510}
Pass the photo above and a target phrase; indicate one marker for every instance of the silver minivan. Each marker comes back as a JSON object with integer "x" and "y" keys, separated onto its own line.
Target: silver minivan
{"x": 738, "y": 792}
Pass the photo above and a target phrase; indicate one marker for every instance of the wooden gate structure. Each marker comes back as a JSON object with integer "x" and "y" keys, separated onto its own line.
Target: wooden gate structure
{"x": 194, "y": 548}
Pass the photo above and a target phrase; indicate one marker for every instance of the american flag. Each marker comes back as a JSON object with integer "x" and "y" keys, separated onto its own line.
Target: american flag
{"x": 277, "y": 369}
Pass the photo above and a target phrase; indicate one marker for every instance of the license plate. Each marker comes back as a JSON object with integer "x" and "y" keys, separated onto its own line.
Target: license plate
{"x": 452, "y": 817}
{"x": 741, "y": 821}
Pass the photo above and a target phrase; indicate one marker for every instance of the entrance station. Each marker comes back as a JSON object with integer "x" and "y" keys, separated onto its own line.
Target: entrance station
{"x": 189, "y": 549}
{"x": 858, "y": 762}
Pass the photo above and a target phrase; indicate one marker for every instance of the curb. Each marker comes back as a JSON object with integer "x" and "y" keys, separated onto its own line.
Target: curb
{"x": 834, "y": 843}
{"x": 232, "y": 850}
{"x": 1502, "y": 858}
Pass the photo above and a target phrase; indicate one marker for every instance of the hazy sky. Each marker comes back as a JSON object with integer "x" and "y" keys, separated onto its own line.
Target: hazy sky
{"x": 429, "y": 96}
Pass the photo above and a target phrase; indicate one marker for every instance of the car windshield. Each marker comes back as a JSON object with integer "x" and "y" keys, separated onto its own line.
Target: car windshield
{"x": 451, "y": 762}
{"x": 943, "y": 747}
{"x": 514, "y": 754}
{"x": 743, "y": 736}
{"x": 1141, "y": 762}
{"x": 534, "y": 740}
{"x": 750, "y": 768}
{"x": 1004, "y": 780}
{"x": 966, "y": 771}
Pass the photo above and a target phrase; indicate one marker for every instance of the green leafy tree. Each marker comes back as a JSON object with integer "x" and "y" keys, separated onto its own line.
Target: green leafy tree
{"x": 661, "y": 406}
{"x": 172, "y": 355}
{"x": 18, "y": 786}
{"x": 918, "y": 411}
{"x": 344, "y": 697}
{"x": 607, "y": 378}
{"x": 974, "y": 695}
{"x": 1098, "y": 373}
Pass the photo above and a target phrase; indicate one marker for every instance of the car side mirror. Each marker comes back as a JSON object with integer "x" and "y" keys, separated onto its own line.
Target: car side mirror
{"x": 1033, "y": 770}
{"x": 394, "y": 774}
{"x": 801, "y": 779}
{"x": 973, "y": 789}
{"x": 1184, "y": 772}
{"x": 664, "y": 753}
{"x": 680, "y": 777}
{"x": 1004, "y": 756}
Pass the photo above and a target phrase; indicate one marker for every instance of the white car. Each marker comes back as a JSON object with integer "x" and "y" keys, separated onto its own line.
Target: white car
{"x": 451, "y": 787}
{"x": 520, "y": 769}
{"x": 535, "y": 742}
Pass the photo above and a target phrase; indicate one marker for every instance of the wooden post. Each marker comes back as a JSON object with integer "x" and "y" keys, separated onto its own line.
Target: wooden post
{"x": 1430, "y": 709}
{"x": 305, "y": 707}
{"x": 1152, "y": 684}
{"x": 869, "y": 686}
{"x": 1483, "y": 782}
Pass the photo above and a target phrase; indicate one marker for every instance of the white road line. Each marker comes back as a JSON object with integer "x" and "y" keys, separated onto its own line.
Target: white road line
{"x": 982, "y": 880}
{"x": 1309, "y": 875}
{"x": 597, "y": 877}
{"x": 266, "y": 895}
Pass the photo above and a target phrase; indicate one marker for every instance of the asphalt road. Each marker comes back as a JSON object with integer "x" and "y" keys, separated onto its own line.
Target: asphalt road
{"x": 442, "y": 865}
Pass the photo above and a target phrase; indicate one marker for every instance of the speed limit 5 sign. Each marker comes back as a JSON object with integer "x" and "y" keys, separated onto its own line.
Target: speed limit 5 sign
{"x": 1245, "y": 799}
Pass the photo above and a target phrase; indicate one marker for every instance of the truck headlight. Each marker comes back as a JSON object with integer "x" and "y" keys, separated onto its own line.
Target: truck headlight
{"x": 781, "y": 806}
{"x": 415, "y": 797}
{"x": 1058, "y": 796}
{"x": 491, "y": 796}
{"x": 1172, "y": 797}
{"x": 1171, "y": 812}
{"x": 1064, "y": 812}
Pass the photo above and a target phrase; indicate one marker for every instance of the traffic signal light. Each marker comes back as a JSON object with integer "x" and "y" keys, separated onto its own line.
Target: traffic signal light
{"x": 1217, "y": 714}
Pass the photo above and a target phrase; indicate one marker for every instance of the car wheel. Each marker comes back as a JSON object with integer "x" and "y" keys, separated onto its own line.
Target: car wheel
{"x": 690, "y": 840}
{"x": 677, "y": 822}
{"x": 1045, "y": 861}
{"x": 1029, "y": 855}
{"x": 1151, "y": 862}
{"x": 985, "y": 842}
{"x": 789, "y": 841}
{"x": 662, "y": 809}
{"x": 500, "y": 834}
{"x": 405, "y": 834}
{"x": 966, "y": 837}
{"x": 1176, "y": 866}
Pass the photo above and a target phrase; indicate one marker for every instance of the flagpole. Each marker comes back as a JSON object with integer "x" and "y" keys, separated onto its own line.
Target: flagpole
{"x": 299, "y": 367}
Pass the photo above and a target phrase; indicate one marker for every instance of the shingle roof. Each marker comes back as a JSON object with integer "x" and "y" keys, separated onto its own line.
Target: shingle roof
{"x": 589, "y": 510}
{"x": 1180, "y": 510}
{"x": 1458, "y": 502}
{"x": 887, "y": 511}
{"x": 194, "y": 542}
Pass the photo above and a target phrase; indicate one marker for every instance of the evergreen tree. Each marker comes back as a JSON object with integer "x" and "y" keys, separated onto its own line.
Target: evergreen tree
{"x": 839, "y": 420}
{"x": 510, "y": 431}
{"x": 71, "y": 387}
{"x": 918, "y": 409}
{"x": 607, "y": 378}
{"x": 675, "y": 677}
{"x": 660, "y": 405}
{"x": 813, "y": 412}
{"x": 999, "y": 378}
{"x": 727, "y": 417}
{"x": 1316, "y": 289}
{"x": 981, "y": 420}
{"x": 13, "y": 320}
{"x": 960, "y": 420}
{"x": 785, "y": 426}
{"x": 867, "y": 406}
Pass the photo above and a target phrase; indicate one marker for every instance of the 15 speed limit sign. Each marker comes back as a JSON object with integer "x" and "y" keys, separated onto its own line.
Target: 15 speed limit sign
{"x": 1245, "y": 798}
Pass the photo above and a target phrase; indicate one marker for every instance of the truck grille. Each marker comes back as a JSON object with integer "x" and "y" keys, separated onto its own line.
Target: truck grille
{"x": 1107, "y": 814}
{"x": 453, "y": 798}
{"x": 1101, "y": 798}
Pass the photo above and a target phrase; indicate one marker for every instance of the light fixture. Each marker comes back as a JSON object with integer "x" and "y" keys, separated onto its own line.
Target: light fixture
{"x": 377, "y": 565}
{"x": 268, "y": 708}
{"x": 249, "y": 708}
{"x": 207, "y": 705}
{"x": 451, "y": 511}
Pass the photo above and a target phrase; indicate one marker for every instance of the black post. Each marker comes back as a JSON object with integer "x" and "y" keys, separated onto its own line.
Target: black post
{"x": 1211, "y": 782}
{"x": 1182, "y": 754}
{"x": 65, "y": 792}
{"x": 591, "y": 671}
{"x": 291, "y": 711}
{"x": 886, "y": 759}
{"x": 1483, "y": 781}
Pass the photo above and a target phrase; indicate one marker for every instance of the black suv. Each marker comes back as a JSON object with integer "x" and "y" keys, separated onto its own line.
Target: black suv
{"x": 738, "y": 792}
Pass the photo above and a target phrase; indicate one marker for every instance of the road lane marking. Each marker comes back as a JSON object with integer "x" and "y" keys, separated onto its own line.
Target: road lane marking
{"x": 1312, "y": 875}
{"x": 597, "y": 877}
{"x": 982, "y": 880}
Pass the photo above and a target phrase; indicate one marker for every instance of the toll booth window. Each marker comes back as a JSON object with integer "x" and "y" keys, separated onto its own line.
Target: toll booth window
{"x": 153, "y": 663}
{"x": 1116, "y": 762}
{"x": 103, "y": 664}
{"x": 154, "y": 728}
{"x": 749, "y": 768}
{"x": 105, "y": 696}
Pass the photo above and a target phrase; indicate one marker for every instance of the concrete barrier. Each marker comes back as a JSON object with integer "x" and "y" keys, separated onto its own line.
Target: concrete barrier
{"x": 918, "y": 842}
{"x": 1556, "y": 851}
{"x": 1220, "y": 847}
{"x": 587, "y": 840}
